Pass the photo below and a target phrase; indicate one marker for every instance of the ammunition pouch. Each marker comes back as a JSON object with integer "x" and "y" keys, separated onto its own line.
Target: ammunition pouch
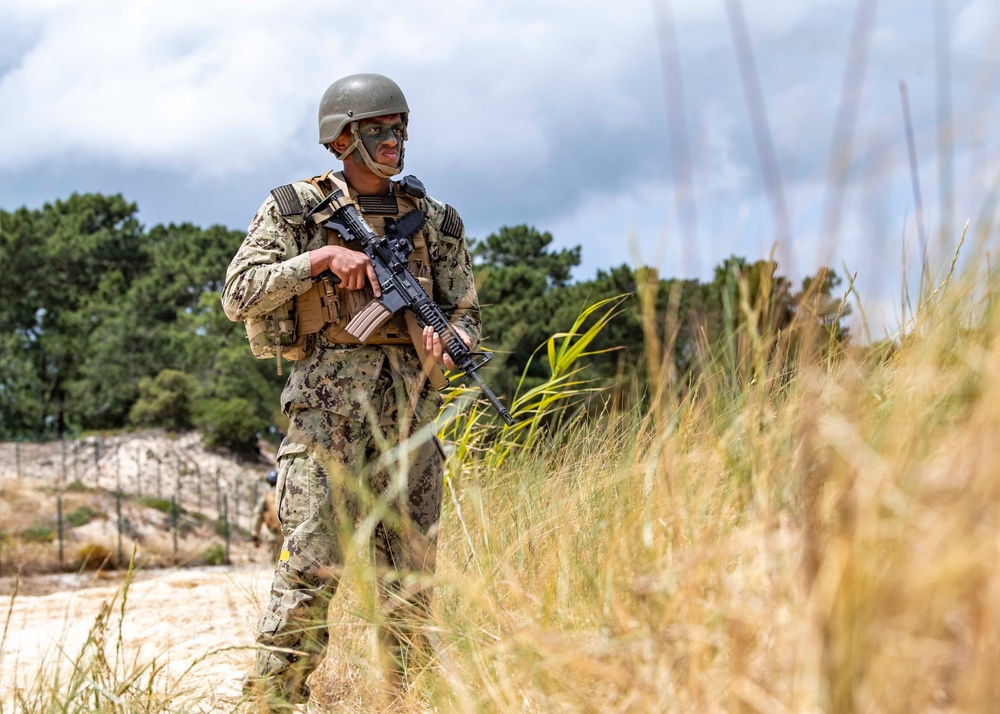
{"x": 274, "y": 334}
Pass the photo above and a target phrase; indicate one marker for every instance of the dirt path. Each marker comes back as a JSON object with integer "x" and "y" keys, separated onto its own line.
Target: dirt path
{"x": 197, "y": 619}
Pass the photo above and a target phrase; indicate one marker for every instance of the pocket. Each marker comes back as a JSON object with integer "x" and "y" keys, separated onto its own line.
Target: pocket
{"x": 269, "y": 622}
{"x": 287, "y": 453}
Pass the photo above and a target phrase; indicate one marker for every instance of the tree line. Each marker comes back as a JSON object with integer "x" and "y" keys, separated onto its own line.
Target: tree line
{"x": 105, "y": 324}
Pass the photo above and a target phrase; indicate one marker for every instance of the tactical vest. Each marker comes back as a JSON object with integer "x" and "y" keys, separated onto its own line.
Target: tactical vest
{"x": 329, "y": 308}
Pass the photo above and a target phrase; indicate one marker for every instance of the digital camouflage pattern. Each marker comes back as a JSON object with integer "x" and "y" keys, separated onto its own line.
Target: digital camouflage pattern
{"x": 359, "y": 442}
{"x": 329, "y": 477}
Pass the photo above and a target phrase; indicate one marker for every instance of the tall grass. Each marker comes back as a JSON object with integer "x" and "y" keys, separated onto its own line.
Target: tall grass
{"x": 819, "y": 532}
{"x": 806, "y": 529}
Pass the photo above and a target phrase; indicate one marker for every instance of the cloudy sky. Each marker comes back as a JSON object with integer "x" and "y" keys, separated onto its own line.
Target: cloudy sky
{"x": 671, "y": 133}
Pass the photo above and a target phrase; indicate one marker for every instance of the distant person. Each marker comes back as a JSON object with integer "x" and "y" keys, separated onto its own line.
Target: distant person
{"x": 265, "y": 513}
{"x": 352, "y": 406}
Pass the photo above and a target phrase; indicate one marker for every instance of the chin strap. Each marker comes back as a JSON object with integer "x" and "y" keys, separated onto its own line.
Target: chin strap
{"x": 383, "y": 170}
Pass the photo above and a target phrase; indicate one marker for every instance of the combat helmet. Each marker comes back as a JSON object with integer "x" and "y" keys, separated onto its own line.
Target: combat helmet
{"x": 353, "y": 98}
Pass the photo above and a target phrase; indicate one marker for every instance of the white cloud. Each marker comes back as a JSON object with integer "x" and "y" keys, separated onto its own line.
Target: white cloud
{"x": 146, "y": 83}
{"x": 978, "y": 22}
{"x": 219, "y": 87}
{"x": 719, "y": 173}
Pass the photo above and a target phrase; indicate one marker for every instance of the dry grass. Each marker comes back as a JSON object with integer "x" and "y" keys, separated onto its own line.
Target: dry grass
{"x": 823, "y": 539}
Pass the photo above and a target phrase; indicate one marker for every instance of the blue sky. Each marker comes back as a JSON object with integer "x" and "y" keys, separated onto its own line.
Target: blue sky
{"x": 591, "y": 120}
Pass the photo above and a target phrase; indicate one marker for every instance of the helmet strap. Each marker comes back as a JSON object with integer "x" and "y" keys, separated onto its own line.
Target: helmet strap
{"x": 378, "y": 169}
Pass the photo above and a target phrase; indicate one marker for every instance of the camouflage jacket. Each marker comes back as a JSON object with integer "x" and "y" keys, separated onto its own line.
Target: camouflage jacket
{"x": 272, "y": 266}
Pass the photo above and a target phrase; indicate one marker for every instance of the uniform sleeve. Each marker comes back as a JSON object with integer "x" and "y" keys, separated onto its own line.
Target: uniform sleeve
{"x": 454, "y": 285}
{"x": 271, "y": 266}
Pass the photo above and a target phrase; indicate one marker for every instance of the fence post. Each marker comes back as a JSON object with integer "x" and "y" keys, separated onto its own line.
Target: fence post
{"x": 59, "y": 526}
{"x": 159, "y": 477}
{"x": 138, "y": 473}
{"x": 173, "y": 523}
{"x": 62, "y": 452}
{"x": 225, "y": 525}
{"x": 17, "y": 457}
{"x": 118, "y": 512}
{"x": 236, "y": 503}
{"x": 197, "y": 476}
{"x": 76, "y": 470}
{"x": 97, "y": 462}
{"x": 218, "y": 493}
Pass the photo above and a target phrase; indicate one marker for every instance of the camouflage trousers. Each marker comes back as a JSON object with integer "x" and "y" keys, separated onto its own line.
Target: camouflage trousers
{"x": 339, "y": 478}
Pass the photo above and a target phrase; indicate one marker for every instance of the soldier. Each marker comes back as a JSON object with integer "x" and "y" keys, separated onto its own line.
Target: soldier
{"x": 265, "y": 513}
{"x": 359, "y": 441}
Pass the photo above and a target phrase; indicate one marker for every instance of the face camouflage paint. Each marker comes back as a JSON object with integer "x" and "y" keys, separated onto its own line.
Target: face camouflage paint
{"x": 374, "y": 133}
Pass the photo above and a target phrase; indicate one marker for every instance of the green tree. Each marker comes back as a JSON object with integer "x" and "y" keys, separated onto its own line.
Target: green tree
{"x": 165, "y": 400}
{"x": 64, "y": 262}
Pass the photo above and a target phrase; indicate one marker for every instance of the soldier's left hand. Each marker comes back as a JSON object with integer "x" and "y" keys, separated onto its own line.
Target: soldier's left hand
{"x": 434, "y": 347}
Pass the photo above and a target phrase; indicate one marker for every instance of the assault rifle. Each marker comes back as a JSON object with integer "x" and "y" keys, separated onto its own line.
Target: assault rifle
{"x": 400, "y": 289}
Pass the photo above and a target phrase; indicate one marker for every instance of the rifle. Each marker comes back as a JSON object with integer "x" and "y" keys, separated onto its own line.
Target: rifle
{"x": 400, "y": 289}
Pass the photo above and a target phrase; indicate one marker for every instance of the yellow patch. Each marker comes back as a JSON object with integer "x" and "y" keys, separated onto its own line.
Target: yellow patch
{"x": 284, "y": 556}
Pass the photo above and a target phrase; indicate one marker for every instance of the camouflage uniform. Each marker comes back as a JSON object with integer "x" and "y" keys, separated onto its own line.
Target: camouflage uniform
{"x": 347, "y": 406}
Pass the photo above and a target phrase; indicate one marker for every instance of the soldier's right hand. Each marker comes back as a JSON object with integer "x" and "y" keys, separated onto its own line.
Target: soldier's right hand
{"x": 351, "y": 266}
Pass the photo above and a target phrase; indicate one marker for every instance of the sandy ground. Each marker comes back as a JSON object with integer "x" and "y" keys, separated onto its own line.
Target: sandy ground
{"x": 195, "y": 623}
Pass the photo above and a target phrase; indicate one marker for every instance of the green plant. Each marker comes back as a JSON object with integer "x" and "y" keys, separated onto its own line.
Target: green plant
{"x": 38, "y": 534}
{"x": 81, "y": 516}
{"x": 159, "y": 504}
{"x": 229, "y": 423}
{"x": 164, "y": 400}
{"x": 467, "y": 425}
{"x": 214, "y": 554}
{"x": 77, "y": 486}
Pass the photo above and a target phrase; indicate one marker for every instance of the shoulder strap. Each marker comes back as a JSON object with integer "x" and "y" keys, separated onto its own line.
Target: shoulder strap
{"x": 323, "y": 183}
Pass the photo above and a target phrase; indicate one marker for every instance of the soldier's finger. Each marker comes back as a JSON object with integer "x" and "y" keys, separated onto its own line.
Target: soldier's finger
{"x": 373, "y": 279}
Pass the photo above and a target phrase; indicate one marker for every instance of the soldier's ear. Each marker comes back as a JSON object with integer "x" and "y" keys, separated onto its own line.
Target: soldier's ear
{"x": 341, "y": 142}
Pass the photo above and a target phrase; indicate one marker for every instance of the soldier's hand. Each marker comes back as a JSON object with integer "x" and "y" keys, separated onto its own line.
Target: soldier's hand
{"x": 434, "y": 347}
{"x": 351, "y": 266}
{"x": 256, "y": 542}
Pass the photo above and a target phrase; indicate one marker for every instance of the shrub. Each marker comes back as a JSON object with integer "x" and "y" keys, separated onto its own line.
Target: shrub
{"x": 214, "y": 554}
{"x": 160, "y": 504}
{"x": 38, "y": 534}
{"x": 164, "y": 400}
{"x": 77, "y": 486}
{"x": 229, "y": 423}
{"x": 94, "y": 556}
{"x": 81, "y": 516}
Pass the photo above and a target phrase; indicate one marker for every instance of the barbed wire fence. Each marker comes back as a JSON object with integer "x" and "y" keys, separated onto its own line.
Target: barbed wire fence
{"x": 134, "y": 470}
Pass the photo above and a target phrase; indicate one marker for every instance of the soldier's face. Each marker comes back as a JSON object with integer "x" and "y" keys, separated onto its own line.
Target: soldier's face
{"x": 383, "y": 138}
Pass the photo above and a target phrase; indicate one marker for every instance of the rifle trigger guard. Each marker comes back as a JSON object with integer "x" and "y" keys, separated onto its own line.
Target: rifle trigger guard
{"x": 487, "y": 356}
